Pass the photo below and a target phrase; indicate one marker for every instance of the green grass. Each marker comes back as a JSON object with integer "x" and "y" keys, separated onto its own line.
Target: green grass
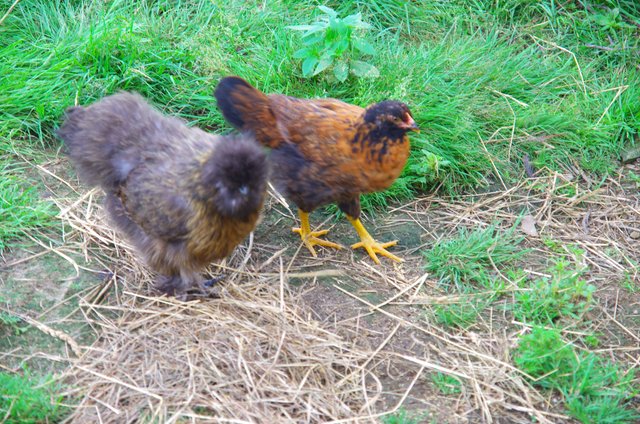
{"x": 21, "y": 207}
{"x": 26, "y": 399}
{"x": 486, "y": 81}
{"x": 563, "y": 294}
{"x": 467, "y": 260}
{"x": 459, "y": 315}
{"x": 446, "y": 384}
{"x": 594, "y": 389}
{"x": 400, "y": 417}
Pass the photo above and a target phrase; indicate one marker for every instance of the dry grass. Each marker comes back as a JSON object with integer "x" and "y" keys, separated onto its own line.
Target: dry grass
{"x": 251, "y": 354}
{"x": 351, "y": 344}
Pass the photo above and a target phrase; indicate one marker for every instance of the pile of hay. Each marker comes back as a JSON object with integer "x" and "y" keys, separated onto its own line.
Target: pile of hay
{"x": 251, "y": 353}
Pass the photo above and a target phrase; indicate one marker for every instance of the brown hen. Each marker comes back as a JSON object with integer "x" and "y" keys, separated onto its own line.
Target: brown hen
{"x": 324, "y": 151}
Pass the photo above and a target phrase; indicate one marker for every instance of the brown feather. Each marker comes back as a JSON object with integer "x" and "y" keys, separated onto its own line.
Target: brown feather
{"x": 324, "y": 150}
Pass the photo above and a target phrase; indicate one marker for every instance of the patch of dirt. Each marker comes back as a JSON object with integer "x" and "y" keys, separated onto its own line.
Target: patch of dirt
{"x": 45, "y": 289}
{"x": 42, "y": 280}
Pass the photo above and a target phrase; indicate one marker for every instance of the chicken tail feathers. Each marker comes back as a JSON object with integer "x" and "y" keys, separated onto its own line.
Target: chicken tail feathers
{"x": 93, "y": 140}
{"x": 67, "y": 130}
{"x": 247, "y": 109}
{"x": 90, "y": 160}
{"x": 234, "y": 95}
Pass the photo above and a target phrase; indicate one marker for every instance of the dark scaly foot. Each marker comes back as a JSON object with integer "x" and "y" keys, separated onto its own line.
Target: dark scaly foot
{"x": 171, "y": 285}
{"x": 212, "y": 281}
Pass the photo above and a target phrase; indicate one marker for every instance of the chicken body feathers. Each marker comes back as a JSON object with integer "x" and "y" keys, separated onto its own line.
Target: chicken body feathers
{"x": 324, "y": 150}
{"x": 170, "y": 188}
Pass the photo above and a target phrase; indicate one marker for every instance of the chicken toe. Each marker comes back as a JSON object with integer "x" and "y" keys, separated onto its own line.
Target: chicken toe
{"x": 310, "y": 238}
{"x": 370, "y": 244}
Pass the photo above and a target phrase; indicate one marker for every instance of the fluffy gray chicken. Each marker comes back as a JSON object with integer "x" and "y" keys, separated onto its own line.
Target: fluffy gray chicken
{"x": 181, "y": 196}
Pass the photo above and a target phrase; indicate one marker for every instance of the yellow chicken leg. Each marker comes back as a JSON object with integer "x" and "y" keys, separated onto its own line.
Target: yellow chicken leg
{"x": 372, "y": 247}
{"x": 310, "y": 238}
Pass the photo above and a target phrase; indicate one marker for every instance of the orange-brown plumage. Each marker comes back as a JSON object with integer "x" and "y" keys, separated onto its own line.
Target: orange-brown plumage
{"x": 183, "y": 197}
{"x": 323, "y": 150}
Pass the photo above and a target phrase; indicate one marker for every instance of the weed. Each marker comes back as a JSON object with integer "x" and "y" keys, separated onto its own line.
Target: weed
{"x": 400, "y": 417}
{"x": 429, "y": 167}
{"x": 543, "y": 355}
{"x": 334, "y": 42}
{"x": 21, "y": 208}
{"x": 469, "y": 258}
{"x": 553, "y": 245}
{"x": 11, "y": 321}
{"x": 28, "y": 399}
{"x": 460, "y": 315}
{"x": 446, "y": 384}
{"x": 635, "y": 178}
{"x": 592, "y": 340}
{"x": 610, "y": 20}
{"x": 594, "y": 390}
{"x": 563, "y": 294}
{"x": 630, "y": 282}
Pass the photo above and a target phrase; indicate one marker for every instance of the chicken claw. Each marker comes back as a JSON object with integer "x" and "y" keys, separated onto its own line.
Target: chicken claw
{"x": 310, "y": 238}
{"x": 370, "y": 244}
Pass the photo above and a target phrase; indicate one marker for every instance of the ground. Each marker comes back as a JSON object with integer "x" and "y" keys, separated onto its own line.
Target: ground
{"x": 291, "y": 338}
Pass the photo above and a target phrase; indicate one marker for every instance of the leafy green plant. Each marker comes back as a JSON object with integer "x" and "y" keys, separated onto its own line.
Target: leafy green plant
{"x": 27, "y": 399}
{"x": 471, "y": 255}
{"x": 563, "y": 294}
{"x": 553, "y": 245}
{"x": 543, "y": 354}
{"x": 592, "y": 340}
{"x": 595, "y": 390}
{"x": 610, "y": 20}
{"x": 446, "y": 384}
{"x": 635, "y": 178}
{"x": 334, "y": 42}
{"x": 428, "y": 167}
{"x": 629, "y": 282}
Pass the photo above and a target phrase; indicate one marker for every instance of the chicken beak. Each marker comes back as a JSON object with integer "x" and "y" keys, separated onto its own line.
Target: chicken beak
{"x": 410, "y": 124}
